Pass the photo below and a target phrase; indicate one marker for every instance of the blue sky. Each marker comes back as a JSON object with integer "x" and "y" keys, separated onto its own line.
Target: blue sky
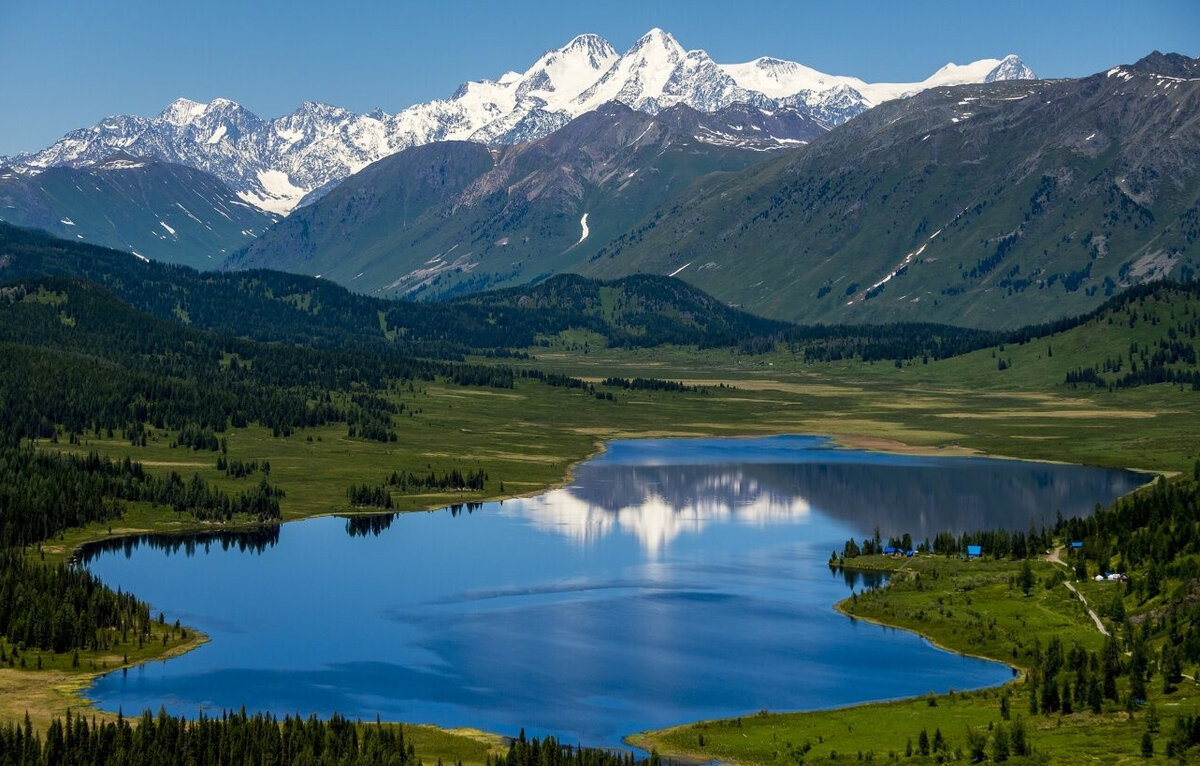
{"x": 67, "y": 64}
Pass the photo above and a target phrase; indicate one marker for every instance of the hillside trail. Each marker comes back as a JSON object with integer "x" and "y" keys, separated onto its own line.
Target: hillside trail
{"x": 1055, "y": 556}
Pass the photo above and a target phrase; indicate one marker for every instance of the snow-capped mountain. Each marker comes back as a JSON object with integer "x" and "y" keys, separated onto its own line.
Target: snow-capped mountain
{"x": 274, "y": 163}
{"x": 836, "y": 99}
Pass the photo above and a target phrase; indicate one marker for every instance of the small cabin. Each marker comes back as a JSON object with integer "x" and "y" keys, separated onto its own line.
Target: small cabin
{"x": 974, "y": 551}
{"x": 1076, "y": 545}
{"x": 890, "y": 550}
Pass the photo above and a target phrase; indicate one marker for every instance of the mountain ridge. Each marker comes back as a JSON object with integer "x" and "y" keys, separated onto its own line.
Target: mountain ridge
{"x": 154, "y": 209}
{"x": 275, "y": 163}
{"x": 987, "y": 205}
{"x": 451, "y": 217}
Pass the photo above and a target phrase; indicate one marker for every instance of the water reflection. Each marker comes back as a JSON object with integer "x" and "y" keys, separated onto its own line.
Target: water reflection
{"x": 859, "y": 580}
{"x": 658, "y": 505}
{"x": 921, "y": 496}
{"x": 251, "y": 540}
{"x": 374, "y": 524}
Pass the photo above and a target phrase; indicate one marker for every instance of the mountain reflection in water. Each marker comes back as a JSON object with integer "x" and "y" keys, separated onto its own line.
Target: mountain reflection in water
{"x": 919, "y": 495}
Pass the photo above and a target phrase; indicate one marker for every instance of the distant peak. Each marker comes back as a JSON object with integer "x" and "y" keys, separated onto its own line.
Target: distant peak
{"x": 593, "y": 48}
{"x": 1011, "y": 67}
{"x": 658, "y": 38}
{"x": 221, "y": 106}
{"x": 182, "y": 111}
{"x": 770, "y": 62}
{"x": 587, "y": 42}
{"x": 1169, "y": 65}
{"x": 319, "y": 108}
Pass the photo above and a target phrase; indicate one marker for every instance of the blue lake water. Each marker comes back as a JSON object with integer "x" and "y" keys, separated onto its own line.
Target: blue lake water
{"x": 674, "y": 580}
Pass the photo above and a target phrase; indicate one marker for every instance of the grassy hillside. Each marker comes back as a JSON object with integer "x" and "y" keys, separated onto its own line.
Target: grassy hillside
{"x": 990, "y": 206}
{"x": 451, "y": 218}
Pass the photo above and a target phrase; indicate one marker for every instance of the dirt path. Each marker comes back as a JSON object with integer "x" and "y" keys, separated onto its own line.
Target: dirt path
{"x": 1099, "y": 625}
{"x": 1055, "y": 556}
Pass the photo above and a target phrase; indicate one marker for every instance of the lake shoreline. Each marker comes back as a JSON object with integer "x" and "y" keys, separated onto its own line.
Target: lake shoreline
{"x": 868, "y": 444}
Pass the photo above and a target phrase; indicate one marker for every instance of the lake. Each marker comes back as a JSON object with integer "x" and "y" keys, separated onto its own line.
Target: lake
{"x": 673, "y": 580}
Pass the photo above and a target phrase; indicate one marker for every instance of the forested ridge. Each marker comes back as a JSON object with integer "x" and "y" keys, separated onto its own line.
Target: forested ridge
{"x": 78, "y": 357}
{"x": 641, "y": 310}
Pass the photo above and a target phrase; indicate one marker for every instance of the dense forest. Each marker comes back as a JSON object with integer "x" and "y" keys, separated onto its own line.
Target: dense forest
{"x": 238, "y": 738}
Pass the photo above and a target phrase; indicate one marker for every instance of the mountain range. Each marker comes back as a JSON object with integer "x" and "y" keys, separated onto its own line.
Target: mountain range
{"x": 455, "y": 216}
{"x": 275, "y": 164}
{"x": 154, "y": 209}
{"x": 988, "y": 205}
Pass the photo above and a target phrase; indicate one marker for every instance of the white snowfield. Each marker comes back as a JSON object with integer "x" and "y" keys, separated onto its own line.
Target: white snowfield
{"x": 583, "y": 223}
{"x": 274, "y": 163}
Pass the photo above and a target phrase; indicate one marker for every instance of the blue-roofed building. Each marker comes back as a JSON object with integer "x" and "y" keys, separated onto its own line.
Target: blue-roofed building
{"x": 889, "y": 549}
{"x": 1077, "y": 544}
{"x": 974, "y": 551}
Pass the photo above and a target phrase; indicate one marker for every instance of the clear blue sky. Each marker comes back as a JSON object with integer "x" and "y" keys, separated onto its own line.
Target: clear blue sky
{"x": 67, "y": 64}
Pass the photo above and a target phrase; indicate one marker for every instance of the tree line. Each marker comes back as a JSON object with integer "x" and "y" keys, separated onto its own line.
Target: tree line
{"x": 44, "y": 493}
{"x": 237, "y": 738}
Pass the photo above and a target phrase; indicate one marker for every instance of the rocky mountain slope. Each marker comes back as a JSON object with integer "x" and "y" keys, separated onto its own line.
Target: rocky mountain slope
{"x": 988, "y": 205}
{"x": 154, "y": 209}
{"x": 276, "y": 163}
{"x": 452, "y": 217}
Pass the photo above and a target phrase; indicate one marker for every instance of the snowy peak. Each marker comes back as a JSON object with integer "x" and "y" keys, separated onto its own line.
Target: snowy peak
{"x": 776, "y": 78}
{"x": 275, "y": 163}
{"x": 657, "y": 40}
{"x": 181, "y": 111}
{"x": 597, "y": 51}
{"x": 797, "y": 84}
{"x": 637, "y": 78}
{"x": 1011, "y": 67}
{"x": 561, "y": 74}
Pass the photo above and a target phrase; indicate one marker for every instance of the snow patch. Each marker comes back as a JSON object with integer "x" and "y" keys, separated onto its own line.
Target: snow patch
{"x": 217, "y": 135}
{"x": 681, "y": 268}
{"x": 121, "y": 165}
{"x": 66, "y": 222}
{"x": 280, "y": 194}
{"x": 188, "y": 213}
{"x": 583, "y": 223}
{"x": 168, "y": 228}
